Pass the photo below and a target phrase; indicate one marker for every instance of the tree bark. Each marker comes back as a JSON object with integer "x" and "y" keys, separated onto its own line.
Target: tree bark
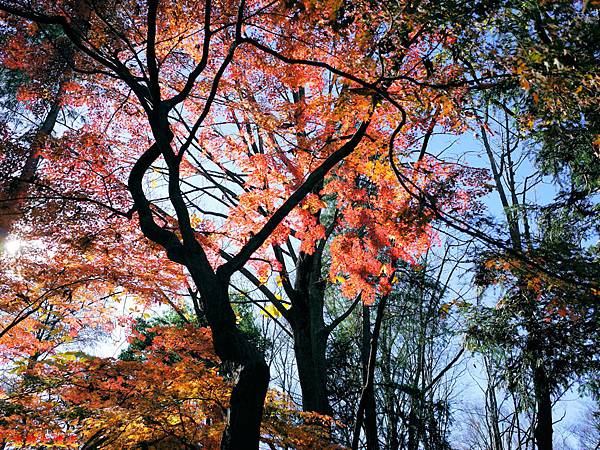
{"x": 246, "y": 404}
{"x": 310, "y": 334}
{"x": 370, "y": 423}
{"x": 251, "y": 382}
{"x": 543, "y": 399}
{"x": 370, "y": 379}
{"x": 309, "y": 348}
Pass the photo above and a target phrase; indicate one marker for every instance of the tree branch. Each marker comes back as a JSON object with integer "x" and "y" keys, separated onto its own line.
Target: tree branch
{"x": 233, "y": 265}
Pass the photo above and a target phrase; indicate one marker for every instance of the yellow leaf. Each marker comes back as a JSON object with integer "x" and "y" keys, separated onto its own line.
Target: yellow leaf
{"x": 195, "y": 221}
{"x": 270, "y": 311}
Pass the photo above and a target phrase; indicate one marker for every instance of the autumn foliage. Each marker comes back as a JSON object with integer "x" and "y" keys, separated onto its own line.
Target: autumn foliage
{"x": 197, "y": 142}
{"x": 166, "y": 392}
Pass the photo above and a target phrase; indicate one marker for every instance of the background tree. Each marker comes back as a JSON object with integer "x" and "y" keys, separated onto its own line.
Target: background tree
{"x": 537, "y": 313}
{"x": 416, "y": 354}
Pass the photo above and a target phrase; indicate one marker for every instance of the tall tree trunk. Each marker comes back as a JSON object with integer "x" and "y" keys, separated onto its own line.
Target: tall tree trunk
{"x": 247, "y": 403}
{"x": 252, "y": 376}
{"x": 543, "y": 400}
{"x": 251, "y": 380}
{"x": 370, "y": 423}
{"x": 373, "y": 345}
{"x": 413, "y": 425}
{"x": 309, "y": 348}
{"x": 308, "y": 303}
{"x": 391, "y": 403}
{"x": 15, "y": 193}
{"x": 310, "y": 333}
{"x": 492, "y": 415}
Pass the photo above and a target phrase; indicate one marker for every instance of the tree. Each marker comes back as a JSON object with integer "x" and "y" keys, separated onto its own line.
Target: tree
{"x": 166, "y": 98}
{"x": 357, "y": 209}
{"x": 412, "y": 380}
{"x": 252, "y": 140}
{"x": 544, "y": 322}
{"x": 541, "y": 256}
{"x": 45, "y": 85}
{"x": 166, "y": 390}
{"x": 161, "y": 92}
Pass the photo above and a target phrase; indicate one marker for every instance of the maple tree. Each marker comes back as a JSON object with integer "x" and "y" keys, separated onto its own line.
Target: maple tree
{"x": 229, "y": 342}
{"x": 53, "y": 287}
{"x": 165, "y": 391}
{"x": 157, "y": 83}
{"x": 359, "y": 222}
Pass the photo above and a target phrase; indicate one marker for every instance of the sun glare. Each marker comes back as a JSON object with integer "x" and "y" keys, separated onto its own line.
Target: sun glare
{"x": 12, "y": 246}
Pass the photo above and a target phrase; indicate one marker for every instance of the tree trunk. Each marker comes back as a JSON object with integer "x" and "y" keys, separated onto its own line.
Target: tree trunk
{"x": 413, "y": 425}
{"x": 492, "y": 415}
{"x": 246, "y": 405}
{"x": 543, "y": 400}
{"x": 370, "y": 424}
{"x": 309, "y": 348}
{"x": 492, "y": 412}
{"x": 310, "y": 334}
{"x": 14, "y": 195}
{"x": 370, "y": 378}
{"x": 390, "y": 400}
